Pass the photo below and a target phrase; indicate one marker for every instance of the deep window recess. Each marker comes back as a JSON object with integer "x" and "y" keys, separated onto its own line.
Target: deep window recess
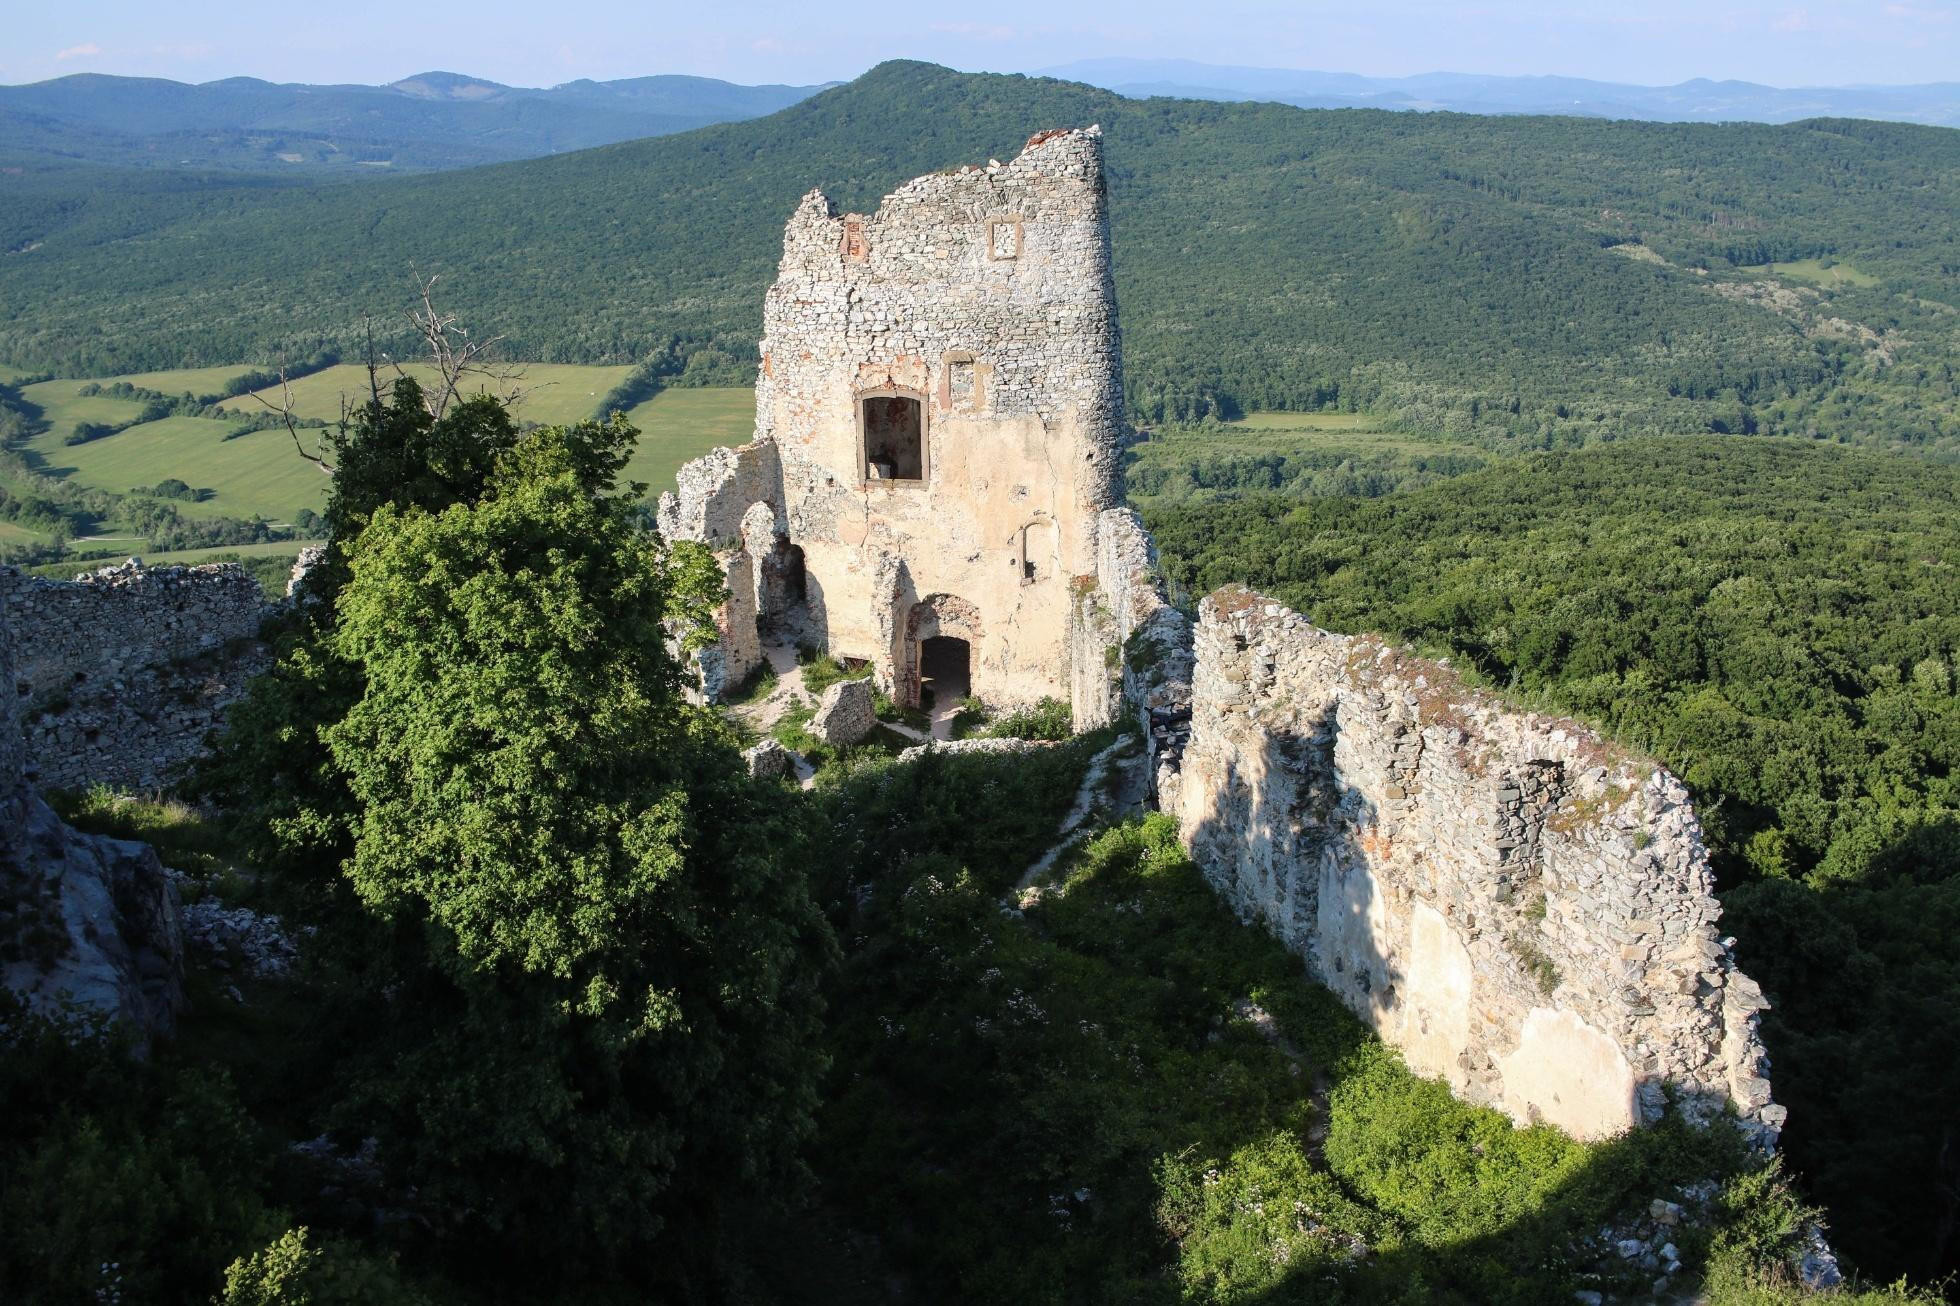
{"x": 894, "y": 438}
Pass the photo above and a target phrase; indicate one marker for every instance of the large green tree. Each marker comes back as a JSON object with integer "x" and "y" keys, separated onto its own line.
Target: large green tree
{"x": 605, "y": 1016}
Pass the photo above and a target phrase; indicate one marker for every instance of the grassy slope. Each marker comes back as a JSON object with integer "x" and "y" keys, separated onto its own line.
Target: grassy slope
{"x": 254, "y": 474}
{"x": 677, "y": 426}
{"x": 61, "y": 407}
{"x": 188, "y": 380}
{"x": 257, "y": 473}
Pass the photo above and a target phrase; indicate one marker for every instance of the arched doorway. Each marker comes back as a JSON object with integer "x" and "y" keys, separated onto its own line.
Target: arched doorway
{"x": 947, "y": 629}
{"x": 945, "y": 670}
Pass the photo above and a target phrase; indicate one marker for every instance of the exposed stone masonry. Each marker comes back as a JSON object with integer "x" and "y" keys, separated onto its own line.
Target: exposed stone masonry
{"x": 979, "y": 300}
{"x": 1522, "y": 908}
{"x": 83, "y": 919}
{"x": 120, "y": 675}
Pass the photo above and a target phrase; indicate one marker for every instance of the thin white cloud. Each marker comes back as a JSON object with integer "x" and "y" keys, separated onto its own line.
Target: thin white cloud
{"x": 86, "y": 50}
{"x": 1918, "y": 13}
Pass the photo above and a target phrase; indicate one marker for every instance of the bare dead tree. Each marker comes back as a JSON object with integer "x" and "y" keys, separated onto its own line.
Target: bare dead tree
{"x": 457, "y": 360}
{"x": 284, "y": 410}
{"x": 455, "y": 356}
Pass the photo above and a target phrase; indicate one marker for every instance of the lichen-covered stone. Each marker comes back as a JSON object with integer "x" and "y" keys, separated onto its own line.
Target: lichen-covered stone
{"x": 768, "y": 760}
{"x": 846, "y": 713}
{"x": 1526, "y": 910}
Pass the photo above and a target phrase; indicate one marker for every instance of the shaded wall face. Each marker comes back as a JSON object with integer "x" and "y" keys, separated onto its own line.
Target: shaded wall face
{"x": 1525, "y": 911}
{"x": 119, "y": 679}
{"x": 984, "y": 295}
{"x": 13, "y": 748}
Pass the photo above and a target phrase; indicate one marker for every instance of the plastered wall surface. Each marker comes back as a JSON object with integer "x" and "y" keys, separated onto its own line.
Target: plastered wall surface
{"x": 1523, "y": 909}
{"x": 984, "y": 293}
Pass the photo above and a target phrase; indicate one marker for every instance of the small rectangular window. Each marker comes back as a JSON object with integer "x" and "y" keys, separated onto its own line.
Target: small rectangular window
{"x": 893, "y": 429}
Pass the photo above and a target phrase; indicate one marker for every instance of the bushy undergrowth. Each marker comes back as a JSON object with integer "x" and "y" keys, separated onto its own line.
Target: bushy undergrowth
{"x": 1119, "y": 1093}
{"x": 1048, "y": 719}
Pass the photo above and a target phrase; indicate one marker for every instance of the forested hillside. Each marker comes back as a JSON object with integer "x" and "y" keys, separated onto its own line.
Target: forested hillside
{"x": 1515, "y": 281}
{"x": 1777, "y": 622}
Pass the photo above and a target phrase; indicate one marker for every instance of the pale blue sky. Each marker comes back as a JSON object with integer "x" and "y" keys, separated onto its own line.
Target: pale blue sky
{"x": 542, "y": 42}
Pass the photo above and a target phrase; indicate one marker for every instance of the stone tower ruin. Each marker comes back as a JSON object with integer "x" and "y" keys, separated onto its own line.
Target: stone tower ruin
{"x": 938, "y": 425}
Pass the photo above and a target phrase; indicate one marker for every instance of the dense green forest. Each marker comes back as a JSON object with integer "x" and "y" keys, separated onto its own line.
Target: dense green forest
{"x": 1514, "y": 281}
{"x": 1777, "y": 622}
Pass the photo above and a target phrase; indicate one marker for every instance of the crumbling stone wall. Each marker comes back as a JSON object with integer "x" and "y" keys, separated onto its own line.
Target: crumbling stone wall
{"x": 120, "y": 675}
{"x": 984, "y": 295}
{"x": 1133, "y": 649}
{"x": 1522, "y": 908}
{"x": 83, "y": 919}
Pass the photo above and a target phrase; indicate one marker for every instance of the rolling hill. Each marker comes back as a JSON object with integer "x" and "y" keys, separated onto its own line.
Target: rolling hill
{"x": 1511, "y": 281}
{"x": 1698, "y": 100}
{"x": 429, "y": 121}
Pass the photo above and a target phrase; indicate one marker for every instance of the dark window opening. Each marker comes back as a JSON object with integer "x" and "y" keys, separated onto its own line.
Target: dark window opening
{"x": 894, "y": 438}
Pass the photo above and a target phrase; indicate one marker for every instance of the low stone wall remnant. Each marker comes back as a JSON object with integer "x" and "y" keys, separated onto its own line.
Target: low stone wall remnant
{"x": 120, "y": 675}
{"x": 1524, "y": 909}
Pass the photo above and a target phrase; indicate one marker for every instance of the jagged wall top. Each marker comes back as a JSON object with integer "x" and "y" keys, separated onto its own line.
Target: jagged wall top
{"x": 1006, "y": 265}
{"x": 1058, "y": 176}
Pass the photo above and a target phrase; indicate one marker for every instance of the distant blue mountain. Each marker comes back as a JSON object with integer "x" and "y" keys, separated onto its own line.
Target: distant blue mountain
{"x": 429, "y": 121}
{"x": 1701, "y": 100}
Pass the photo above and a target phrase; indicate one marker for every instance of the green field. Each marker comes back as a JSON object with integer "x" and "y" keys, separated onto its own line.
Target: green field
{"x": 1828, "y": 273}
{"x": 12, "y": 534}
{"x": 259, "y": 474}
{"x": 10, "y": 374}
{"x": 255, "y": 474}
{"x": 198, "y": 381}
{"x": 61, "y": 407}
{"x": 552, "y": 392}
{"x": 678, "y": 426}
{"x": 189, "y": 557}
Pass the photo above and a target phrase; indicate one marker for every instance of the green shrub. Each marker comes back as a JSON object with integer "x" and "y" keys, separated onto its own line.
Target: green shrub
{"x": 822, "y": 671}
{"x": 1048, "y": 719}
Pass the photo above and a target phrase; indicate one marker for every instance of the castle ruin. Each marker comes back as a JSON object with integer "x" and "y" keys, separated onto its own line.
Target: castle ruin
{"x": 938, "y": 424}
{"x": 1524, "y": 909}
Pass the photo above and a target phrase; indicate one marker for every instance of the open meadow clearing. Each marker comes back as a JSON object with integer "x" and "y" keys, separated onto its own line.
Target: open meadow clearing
{"x": 255, "y": 474}
{"x": 1273, "y": 421}
{"x": 1828, "y": 273}
{"x": 194, "y": 381}
{"x": 1312, "y": 454}
{"x": 678, "y": 426}
{"x": 61, "y": 406}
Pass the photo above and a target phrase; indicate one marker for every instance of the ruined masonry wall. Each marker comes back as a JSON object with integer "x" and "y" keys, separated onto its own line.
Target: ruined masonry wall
{"x": 1134, "y": 653}
{"x": 120, "y": 676}
{"x": 1523, "y": 909}
{"x": 985, "y": 294}
{"x": 13, "y": 745}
